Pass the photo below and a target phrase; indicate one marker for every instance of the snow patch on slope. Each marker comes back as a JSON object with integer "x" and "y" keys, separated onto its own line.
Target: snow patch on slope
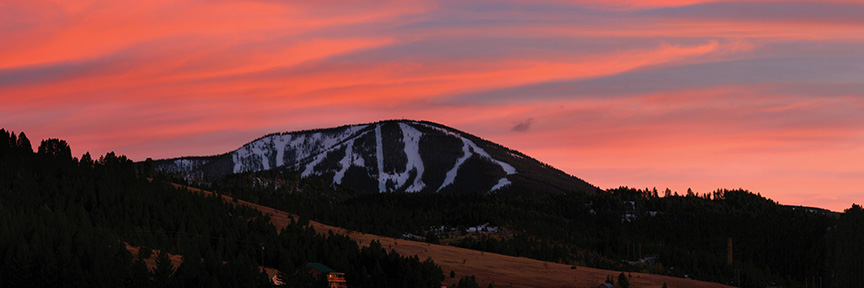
{"x": 451, "y": 175}
{"x": 379, "y": 154}
{"x": 257, "y": 156}
{"x": 358, "y": 159}
{"x": 411, "y": 138}
{"x": 345, "y": 162}
{"x": 515, "y": 155}
{"x": 296, "y": 144}
{"x": 467, "y": 147}
{"x": 507, "y": 167}
{"x": 184, "y": 165}
{"x": 310, "y": 168}
{"x": 254, "y": 156}
{"x": 263, "y": 152}
{"x": 279, "y": 142}
{"x": 501, "y": 183}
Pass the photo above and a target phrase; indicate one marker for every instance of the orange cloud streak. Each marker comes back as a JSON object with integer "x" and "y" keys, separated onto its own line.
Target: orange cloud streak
{"x": 654, "y": 4}
{"x": 81, "y": 31}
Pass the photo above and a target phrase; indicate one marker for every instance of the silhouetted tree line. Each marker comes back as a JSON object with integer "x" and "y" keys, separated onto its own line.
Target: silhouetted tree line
{"x": 69, "y": 222}
{"x": 624, "y": 229}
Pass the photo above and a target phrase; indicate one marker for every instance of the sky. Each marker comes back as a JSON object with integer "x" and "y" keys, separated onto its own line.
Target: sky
{"x": 762, "y": 95}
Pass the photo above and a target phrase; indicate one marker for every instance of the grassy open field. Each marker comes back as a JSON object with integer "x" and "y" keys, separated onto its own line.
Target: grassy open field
{"x": 501, "y": 270}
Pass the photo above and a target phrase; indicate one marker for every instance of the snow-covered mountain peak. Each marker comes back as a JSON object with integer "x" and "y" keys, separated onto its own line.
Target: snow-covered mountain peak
{"x": 387, "y": 156}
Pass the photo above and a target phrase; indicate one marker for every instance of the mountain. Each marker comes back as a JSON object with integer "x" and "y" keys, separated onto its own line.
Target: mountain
{"x": 60, "y": 211}
{"x": 387, "y": 156}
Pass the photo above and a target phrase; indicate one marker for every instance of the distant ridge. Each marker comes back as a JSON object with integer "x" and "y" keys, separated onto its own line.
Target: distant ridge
{"x": 387, "y": 156}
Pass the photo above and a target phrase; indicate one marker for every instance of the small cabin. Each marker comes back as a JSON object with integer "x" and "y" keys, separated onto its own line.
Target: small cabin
{"x": 334, "y": 279}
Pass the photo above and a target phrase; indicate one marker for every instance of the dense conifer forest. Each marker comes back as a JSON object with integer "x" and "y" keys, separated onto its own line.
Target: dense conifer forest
{"x": 67, "y": 222}
{"x": 639, "y": 230}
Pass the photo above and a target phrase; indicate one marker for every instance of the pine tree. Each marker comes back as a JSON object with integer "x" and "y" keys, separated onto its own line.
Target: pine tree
{"x": 24, "y": 143}
{"x": 163, "y": 270}
{"x": 848, "y": 254}
{"x": 468, "y": 282}
{"x": 55, "y": 148}
{"x": 622, "y": 281}
{"x": 87, "y": 161}
{"x": 140, "y": 275}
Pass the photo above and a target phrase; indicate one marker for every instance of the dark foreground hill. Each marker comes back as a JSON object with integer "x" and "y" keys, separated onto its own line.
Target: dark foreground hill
{"x": 388, "y": 156}
{"x": 623, "y": 229}
{"x": 487, "y": 268}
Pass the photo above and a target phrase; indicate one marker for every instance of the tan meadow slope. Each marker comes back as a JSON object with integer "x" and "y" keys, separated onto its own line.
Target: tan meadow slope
{"x": 502, "y": 270}
{"x": 175, "y": 259}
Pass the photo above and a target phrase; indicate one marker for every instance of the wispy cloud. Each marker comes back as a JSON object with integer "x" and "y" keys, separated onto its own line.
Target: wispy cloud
{"x": 523, "y": 126}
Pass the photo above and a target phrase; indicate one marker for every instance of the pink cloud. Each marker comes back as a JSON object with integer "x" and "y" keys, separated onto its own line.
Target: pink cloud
{"x": 655, "y": 4}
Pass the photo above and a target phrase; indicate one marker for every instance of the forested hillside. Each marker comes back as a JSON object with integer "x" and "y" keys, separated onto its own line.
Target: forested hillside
{"x": 627, "y": 229}
{"x": 66, "y": 222}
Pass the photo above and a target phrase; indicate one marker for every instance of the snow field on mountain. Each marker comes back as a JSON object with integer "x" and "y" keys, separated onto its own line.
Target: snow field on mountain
{"x": 303, "y": 146}
{"x": 309, "y": 154}
{"x": 310, "y": 168}
{"x": 501, "y": 183}
{"x": 451, "y": 175}
{"x": 411, "y": 138}
{"x": 467, "y": 147}
{"x": 245, "y": 157}
{"x": 379, "y": 155}
{"x": 345, "y": 163}
{"x": 279, "y": 142}
{"x": 186, "y": 165}
{"x": 411, "y": 141}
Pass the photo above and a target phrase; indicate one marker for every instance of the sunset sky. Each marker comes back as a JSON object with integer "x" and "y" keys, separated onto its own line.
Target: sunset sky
{"x": 762, "y": 95}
